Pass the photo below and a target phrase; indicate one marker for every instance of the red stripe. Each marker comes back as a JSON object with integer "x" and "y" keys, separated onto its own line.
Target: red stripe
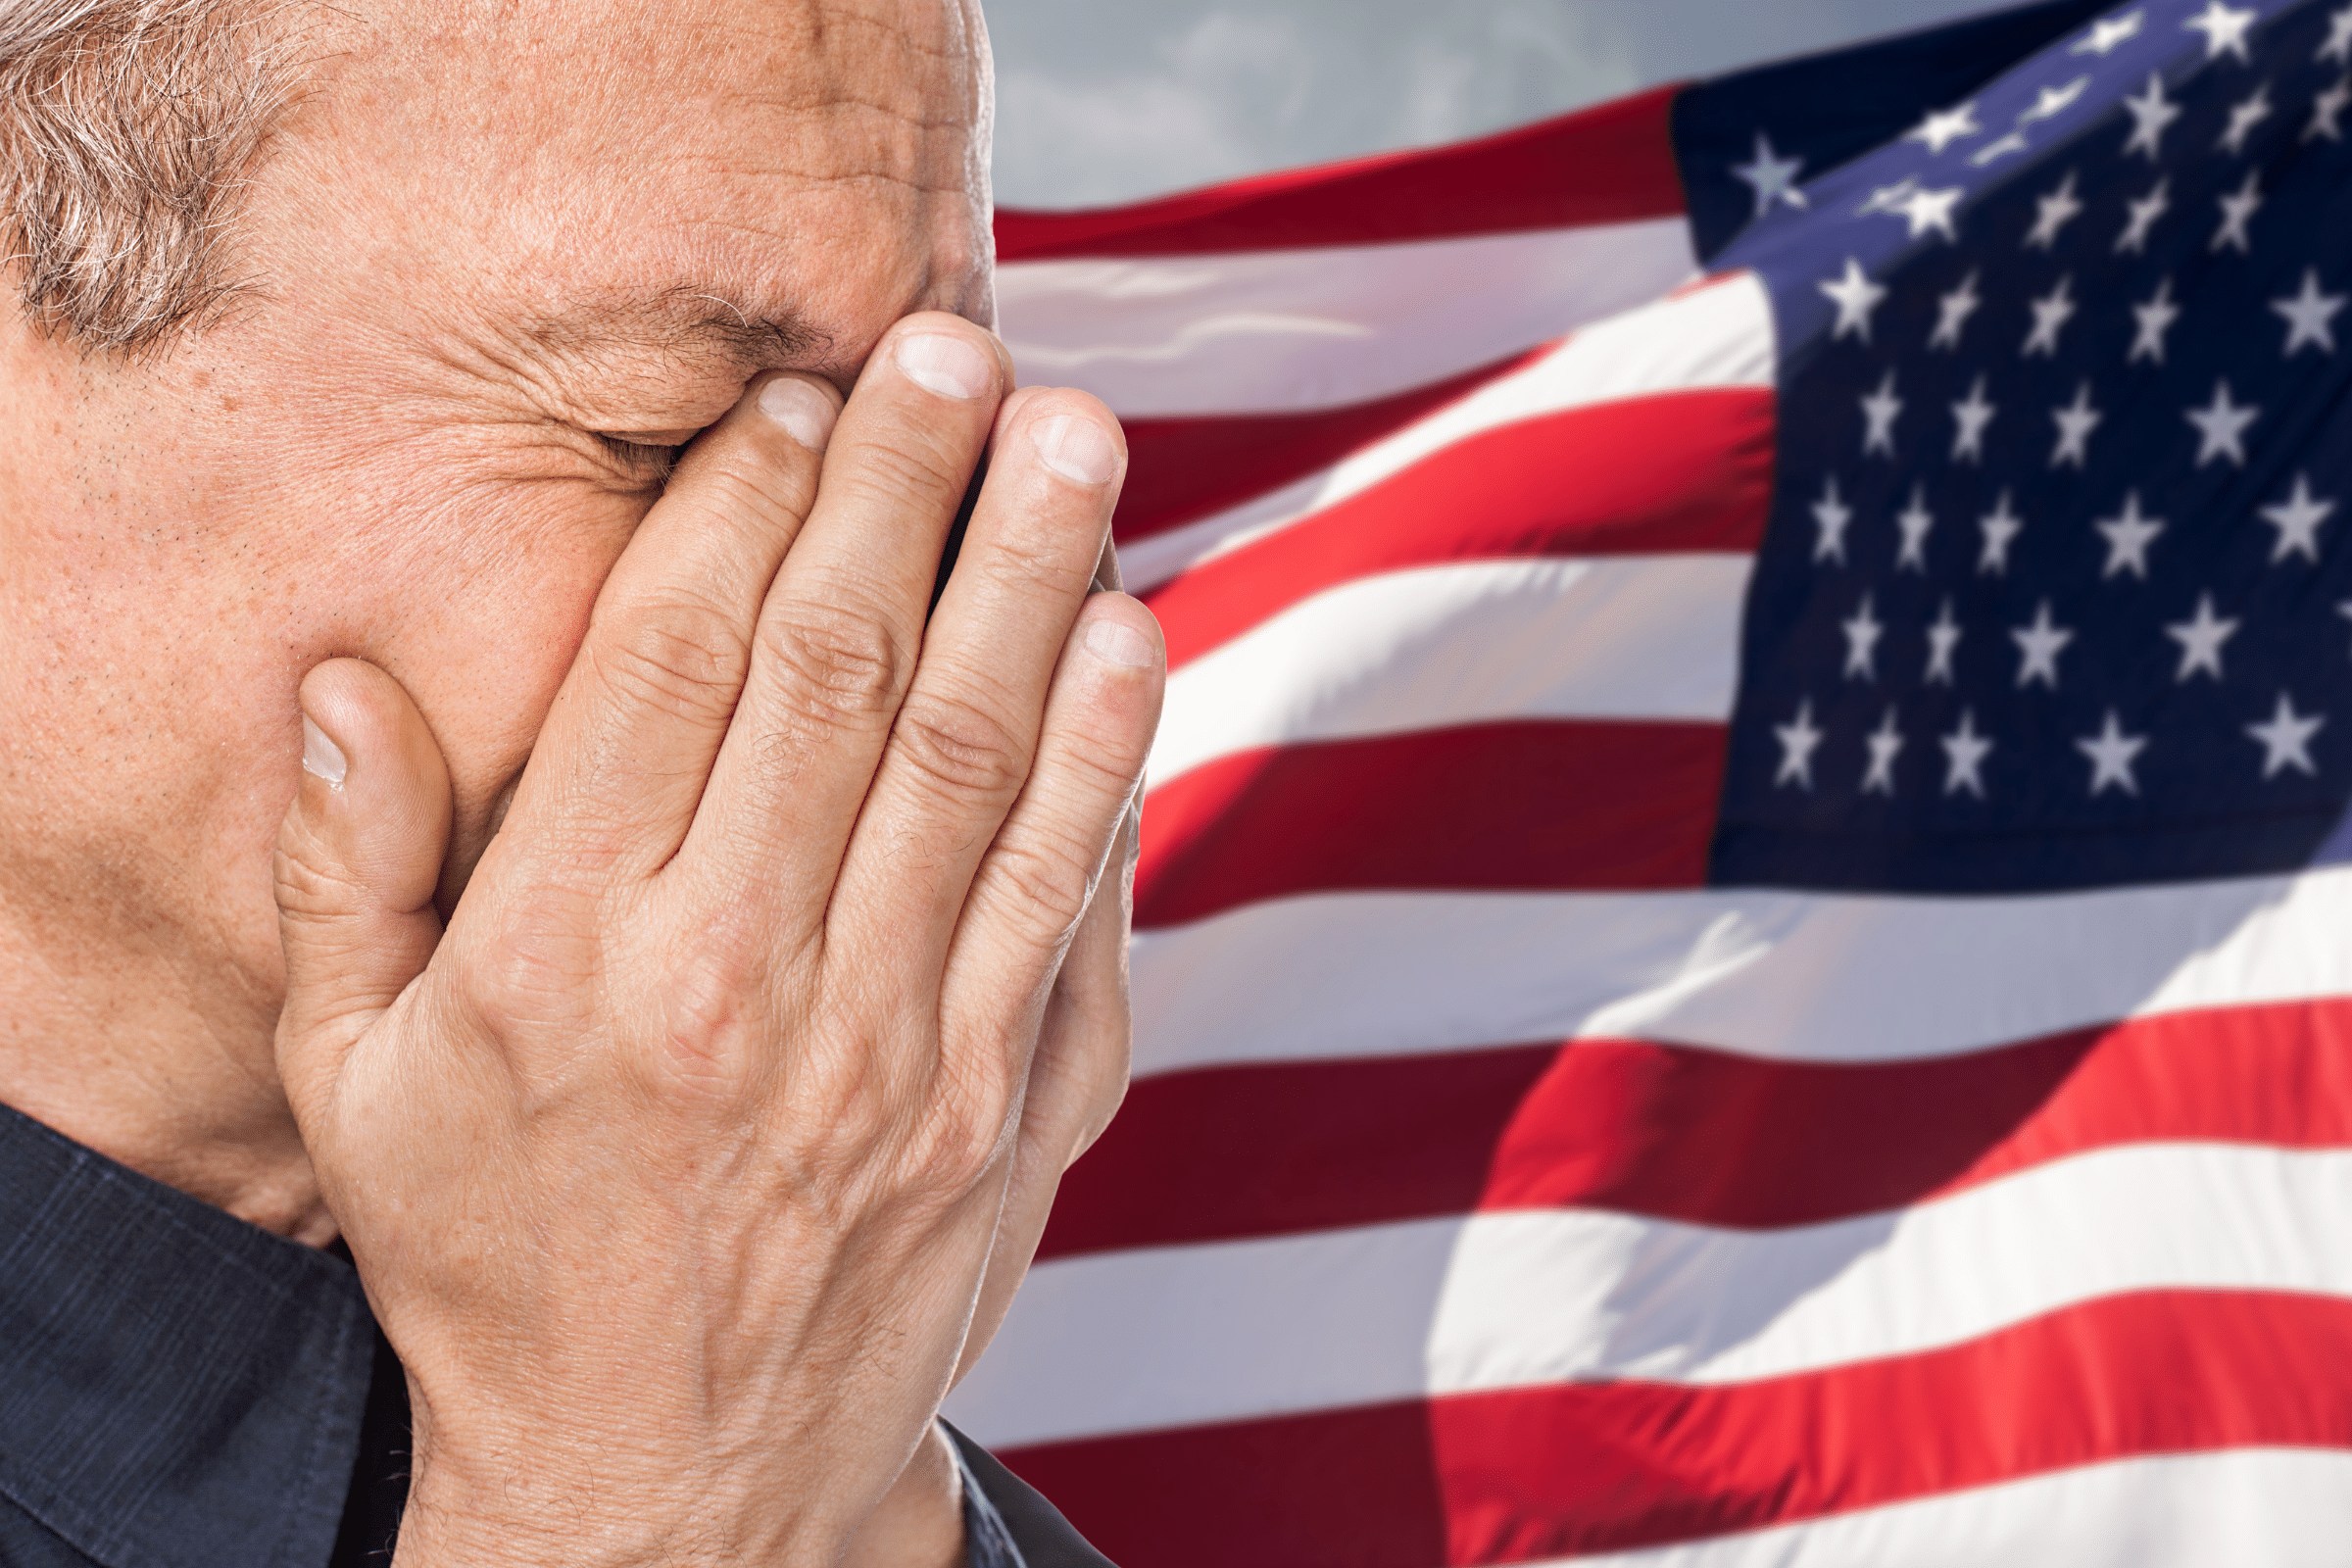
{"x": 1530, "y": 1473}
{"x": 1181, "y": 470}
{"x": 1526, "y": 806}
{"x": 1682, "y": 472}
{"x": 1221, "y": 1153}
{"x": 1611, "y": 164}
{"x": 1675, "y": 1132}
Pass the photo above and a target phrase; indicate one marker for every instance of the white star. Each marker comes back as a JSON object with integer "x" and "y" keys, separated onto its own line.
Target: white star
{"x": 1886, "y": 198}
{"x": 2238, "y": 210}
{"x": 2145, "y": 213}
{"x": 2243, "y": 118}
{"x": 2309, "y": 315}
{"x": 2051, "y": 102}
{"x": 2107, "y": 35}
{"x": 2152, "y": 111}
{"x": 2326, "y": 108}
{"x": 2053, "y": 212}
{"x": 1855, "y": 297}
{"x": 1797, "y": 739}
{"x": 2111, "y": 752}
{"x": 2200, "y": 639}
{"x": 1886, "y": 743}
{"x": 1772, "y": 177}
{"x": 2127, "y": 539}
{"x": 1879, "y": 410}
{"x": 2013, "y": 142}
{"x": 2224, "y": 29}
{"x": 1973, "y": 415}
{"x": 2297, "y": 519}
{"x": 1944, "y": 636}
{"x": 1916, "y": 522}
{"x": 1829, "y": 517}
{"x": 1944, "y": 126}
{"x": 2050, "y": 313}
{"x": 2286, "y": 738}
{"x": 1952, "y": 311}
{"x": 2000, "y": 526}
{"x": 1929, "y": 208}
{"x": 2074, "y": 424}
{"x": 2220, "y": 427}
{"x": 2339, "y": 46}
{"x": 1964, "y": 754}
{"x": 2345, "y": 609}
{"x": 2156, "y": 318}
{"x": 1862, "y": 643}
{"x": 2041, "y": 643}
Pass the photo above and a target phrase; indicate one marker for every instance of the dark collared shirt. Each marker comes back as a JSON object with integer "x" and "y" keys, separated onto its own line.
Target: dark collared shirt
{"x": 180, "y": 1390}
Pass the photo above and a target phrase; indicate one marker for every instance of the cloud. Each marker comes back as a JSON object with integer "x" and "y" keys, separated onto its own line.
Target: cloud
{"x": 1107, "y": 100}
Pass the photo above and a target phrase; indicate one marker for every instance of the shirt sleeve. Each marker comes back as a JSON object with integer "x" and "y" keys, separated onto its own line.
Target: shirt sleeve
{"x": 1008, "y": 1523}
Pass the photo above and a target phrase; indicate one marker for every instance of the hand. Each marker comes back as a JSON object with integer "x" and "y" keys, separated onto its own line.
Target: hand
{"x": 677, "y": 1167}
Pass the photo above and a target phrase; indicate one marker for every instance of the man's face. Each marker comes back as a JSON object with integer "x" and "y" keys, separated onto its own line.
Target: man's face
{"x": 505, "y": 254}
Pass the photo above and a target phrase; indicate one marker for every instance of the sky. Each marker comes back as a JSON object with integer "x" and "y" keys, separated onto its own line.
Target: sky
{"x": 1104, "y": 101}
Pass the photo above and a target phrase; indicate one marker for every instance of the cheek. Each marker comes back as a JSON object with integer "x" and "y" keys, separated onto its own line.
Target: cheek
{"x": 482, "y": 630}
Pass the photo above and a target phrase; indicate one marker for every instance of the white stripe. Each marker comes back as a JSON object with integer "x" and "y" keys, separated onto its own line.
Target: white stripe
{"x": 1629, "y": 637}
{"x": 1791, "y": 976}
{"x": 1717, "y": 336}
{"x": 2246, "y": 1508}
{"x": 1266, "y": 331}
{"x": 1553, "y": 1296}
{"x": 1248, "y": 1329}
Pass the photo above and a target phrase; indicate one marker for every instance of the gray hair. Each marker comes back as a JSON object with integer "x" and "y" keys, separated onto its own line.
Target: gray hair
{"x": 128, "y": 130}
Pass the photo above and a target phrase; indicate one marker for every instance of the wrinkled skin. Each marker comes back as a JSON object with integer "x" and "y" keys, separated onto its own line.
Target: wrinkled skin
{"x": 713, "y": 1136}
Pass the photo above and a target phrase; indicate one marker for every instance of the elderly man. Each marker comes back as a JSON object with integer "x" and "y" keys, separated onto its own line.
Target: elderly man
{"x": 488, "y": 792}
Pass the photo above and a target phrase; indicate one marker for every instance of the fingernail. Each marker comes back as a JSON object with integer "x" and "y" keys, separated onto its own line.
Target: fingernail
{"x": 1076, "y": 448}
{"x": 806, "y": 413}
{"x": 1114, "y": 642}
{"x": 952, "y": 366}
{"x": 322, "y": 758}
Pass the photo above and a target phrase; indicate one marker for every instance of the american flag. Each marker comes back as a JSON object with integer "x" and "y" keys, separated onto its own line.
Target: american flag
{"x": 1744, "y": 942}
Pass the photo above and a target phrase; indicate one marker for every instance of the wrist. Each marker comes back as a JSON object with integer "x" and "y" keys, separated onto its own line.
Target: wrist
{"x": 497, "y": 1506}
{"x": 920, "y": 1521}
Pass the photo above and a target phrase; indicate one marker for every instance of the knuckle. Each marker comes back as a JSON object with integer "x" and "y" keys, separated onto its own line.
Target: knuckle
{"x": 311, "y": 884}
{"x": 738, "y": 482}
{"x": 970, "y": 1121}
{"x": 678, "y": 654}
{"x": 1101, "y": 771}
{"x": 839, "y": 668}
{"x": 1032, "y": 552}
{"x": 839, "y": 1112}
{"x": 918, "y": 469}
{"x": 959, "y": 749}
{"x": 1039, "y": 885}
{"x": 541, "y": 970}
{"x": 712, "y": 1051}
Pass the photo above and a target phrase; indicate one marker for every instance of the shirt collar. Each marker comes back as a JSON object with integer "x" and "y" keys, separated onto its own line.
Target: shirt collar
{"x": 177, "y": 1388}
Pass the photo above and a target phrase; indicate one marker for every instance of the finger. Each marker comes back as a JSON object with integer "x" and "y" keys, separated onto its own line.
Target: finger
{"x": 842, "y": 627}
{"x": 964, "y": 740}
{"x": 358, "y": 858}
{"x": 1041, "y": 873}
{"x": 1076, "y": 1080}
{"x": 629, "y": 741}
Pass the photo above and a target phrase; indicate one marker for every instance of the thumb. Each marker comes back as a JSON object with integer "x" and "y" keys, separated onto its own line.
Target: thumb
{"x": 358, "y": 858}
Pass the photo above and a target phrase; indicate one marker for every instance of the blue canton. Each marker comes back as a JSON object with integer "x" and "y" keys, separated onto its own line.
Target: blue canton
{"x": 2057, "y": 590}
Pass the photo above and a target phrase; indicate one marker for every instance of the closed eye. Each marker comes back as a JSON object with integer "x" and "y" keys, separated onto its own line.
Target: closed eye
{"x": 648, "y": 452}
{"x": 651, "y": 438}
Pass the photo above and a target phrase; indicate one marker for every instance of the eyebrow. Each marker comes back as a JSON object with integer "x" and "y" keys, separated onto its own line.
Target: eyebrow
{"x": 686, "y": 320}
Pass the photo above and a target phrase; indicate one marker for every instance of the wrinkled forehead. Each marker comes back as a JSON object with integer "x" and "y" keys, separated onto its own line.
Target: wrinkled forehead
{"x": 553, "y": 65}
{"x": 591, "y": 145}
